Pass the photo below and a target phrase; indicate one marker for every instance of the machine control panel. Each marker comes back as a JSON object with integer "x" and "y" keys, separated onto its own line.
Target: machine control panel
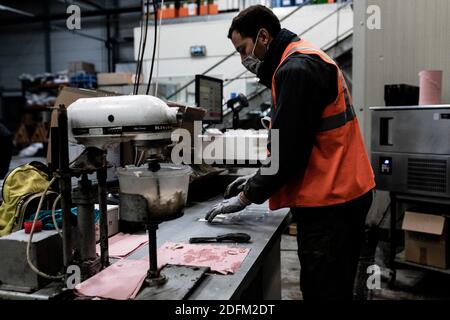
{"x": 385, "y": 165}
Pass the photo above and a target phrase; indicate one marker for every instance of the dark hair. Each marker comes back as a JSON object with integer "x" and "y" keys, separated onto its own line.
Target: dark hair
{"x": 249, "y": 21}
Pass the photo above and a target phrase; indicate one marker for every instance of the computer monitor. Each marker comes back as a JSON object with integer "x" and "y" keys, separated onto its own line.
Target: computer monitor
{"x": 209, "y": 96}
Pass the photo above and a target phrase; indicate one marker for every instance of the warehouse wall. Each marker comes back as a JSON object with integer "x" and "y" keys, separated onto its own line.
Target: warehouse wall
{"x": 176, "y": 39}
{"x": 67, "y": 46}
{"x": 413, "y": 36}
{"x": 23, "y": 47}
{"x": 22, "y": 51}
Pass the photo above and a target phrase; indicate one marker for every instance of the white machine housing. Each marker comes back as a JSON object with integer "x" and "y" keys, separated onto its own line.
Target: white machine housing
{"x": 99, "y": 122}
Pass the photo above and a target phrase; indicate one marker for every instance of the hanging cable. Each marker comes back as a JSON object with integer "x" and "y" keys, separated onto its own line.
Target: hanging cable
{"x": 30, "y": 239}
{"x": 139, "y": 51}
{"x": 141, "y": 58}
{"x": 157, "y": 54}
{"x": 155, "y": 7}
{"x": 53, "y": 214}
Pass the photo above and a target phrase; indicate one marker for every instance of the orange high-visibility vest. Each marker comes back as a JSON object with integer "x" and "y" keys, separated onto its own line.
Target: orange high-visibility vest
{"x": 339, "y": 169}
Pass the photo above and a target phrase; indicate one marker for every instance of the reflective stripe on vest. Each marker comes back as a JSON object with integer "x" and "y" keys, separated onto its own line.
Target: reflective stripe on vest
{"x": 340, "y": 119}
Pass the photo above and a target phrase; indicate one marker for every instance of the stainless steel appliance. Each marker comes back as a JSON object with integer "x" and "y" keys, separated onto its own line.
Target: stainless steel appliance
{"x": 411, "y": 149}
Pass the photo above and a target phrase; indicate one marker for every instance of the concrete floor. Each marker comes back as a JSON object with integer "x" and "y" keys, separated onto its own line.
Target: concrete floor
{"x": 290, "y": 269}
{"x": 410, "y": 284}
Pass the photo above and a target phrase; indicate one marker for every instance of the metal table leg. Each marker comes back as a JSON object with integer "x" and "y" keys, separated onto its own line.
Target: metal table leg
{"x": 393, "y": 244}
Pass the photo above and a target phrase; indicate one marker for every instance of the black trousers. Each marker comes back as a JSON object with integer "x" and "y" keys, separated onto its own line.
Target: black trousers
{"x": 329, "y": 242}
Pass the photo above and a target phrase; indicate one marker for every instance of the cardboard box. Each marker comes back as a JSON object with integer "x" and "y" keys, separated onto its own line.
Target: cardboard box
{"x": 192, "y": 9}
{"x": 182, "y": 12}
{"x": 189, "y": 115}
{"x": 113, "y": 222}
{"x": 204, "y": 9}
{"x": 115, "y": 78}
{"x": 77, "y": 66}
{"x": 426, "y": 239}
{"x": 213, "y": 8}
{"x": 292, "y": 229}
{"x": 167, "y": 12}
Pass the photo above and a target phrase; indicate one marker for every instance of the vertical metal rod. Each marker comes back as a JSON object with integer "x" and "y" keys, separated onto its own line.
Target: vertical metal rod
{"x": 116, "y": 35}
{"x": 47, "y": 39}
{"x": 393, "y": 227}
{"x": 86, "y": 221}
{"x": 54, "y": 149}
{"x": 337, "y": 28}
{"x": 152, "y": 247}
{"x": 101, "y": 178}
{"x": 65, "y": 185}
{"x": 108, "y": 43}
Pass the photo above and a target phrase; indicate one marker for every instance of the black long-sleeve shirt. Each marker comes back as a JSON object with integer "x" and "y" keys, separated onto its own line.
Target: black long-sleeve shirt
{"x": 305, "y": 85}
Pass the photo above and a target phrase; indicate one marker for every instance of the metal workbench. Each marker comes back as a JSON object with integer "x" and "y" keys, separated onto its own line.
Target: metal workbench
{"x": 259, "y": 275}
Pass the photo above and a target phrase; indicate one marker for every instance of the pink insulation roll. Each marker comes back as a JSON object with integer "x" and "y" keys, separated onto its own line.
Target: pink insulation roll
{"x": 430, "y": 87}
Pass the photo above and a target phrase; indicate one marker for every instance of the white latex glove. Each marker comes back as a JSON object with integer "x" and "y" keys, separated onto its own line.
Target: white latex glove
{"x": 231, "y": 205}
{"x": 236, "y": 186}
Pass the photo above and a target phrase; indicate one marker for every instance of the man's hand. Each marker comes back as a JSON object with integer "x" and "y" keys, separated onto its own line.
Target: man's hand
{"x": 236, "y": 186}
{"x": 231, "y": 205}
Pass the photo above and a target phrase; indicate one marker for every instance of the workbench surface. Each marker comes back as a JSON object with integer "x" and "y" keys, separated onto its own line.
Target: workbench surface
{"x": 265, "y": 228}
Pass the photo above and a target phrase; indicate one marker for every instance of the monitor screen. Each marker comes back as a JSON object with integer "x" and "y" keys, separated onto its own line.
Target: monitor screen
{"x": 209, "y": 96}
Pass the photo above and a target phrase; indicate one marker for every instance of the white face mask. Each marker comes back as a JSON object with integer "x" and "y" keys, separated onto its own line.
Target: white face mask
{"x": 251, "y": 62}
